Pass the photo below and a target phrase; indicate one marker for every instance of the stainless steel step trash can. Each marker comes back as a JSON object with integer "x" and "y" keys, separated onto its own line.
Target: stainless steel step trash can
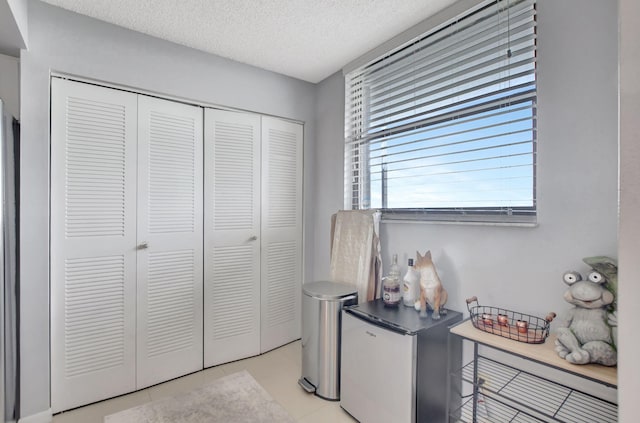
{"x": 322, "y": 304}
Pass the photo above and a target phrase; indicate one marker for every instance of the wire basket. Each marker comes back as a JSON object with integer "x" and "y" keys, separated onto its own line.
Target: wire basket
{"x": 509, "y": 324}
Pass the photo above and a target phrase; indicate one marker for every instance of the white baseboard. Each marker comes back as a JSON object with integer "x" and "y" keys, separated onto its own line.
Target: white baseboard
{"x": 45, "y": 416}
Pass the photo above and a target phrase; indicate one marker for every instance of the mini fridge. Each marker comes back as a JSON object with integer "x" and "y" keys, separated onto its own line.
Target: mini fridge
{"x": 395, "y": 364}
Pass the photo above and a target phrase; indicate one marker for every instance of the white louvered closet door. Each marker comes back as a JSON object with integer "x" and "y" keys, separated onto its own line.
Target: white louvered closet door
{"x": 170, "y": 268}
{"x": 93, "y": 238}
{"x": 232, "y": 231}
{"x": 281, "y": 232}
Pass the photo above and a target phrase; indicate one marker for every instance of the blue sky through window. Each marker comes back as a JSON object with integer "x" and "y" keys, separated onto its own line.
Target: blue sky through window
{"x": 482, "y": 161}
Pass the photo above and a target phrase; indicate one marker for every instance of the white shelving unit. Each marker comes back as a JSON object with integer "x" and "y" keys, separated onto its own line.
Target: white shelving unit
{"x": 515, "y": 395}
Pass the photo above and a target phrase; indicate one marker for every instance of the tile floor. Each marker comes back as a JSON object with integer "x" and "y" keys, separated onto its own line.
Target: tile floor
{"x": 277, "y": 371}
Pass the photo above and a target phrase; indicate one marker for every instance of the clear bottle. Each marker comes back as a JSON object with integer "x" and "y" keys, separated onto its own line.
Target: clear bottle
{"x": 410, "y": 285}
{"x": 391, "y": 293}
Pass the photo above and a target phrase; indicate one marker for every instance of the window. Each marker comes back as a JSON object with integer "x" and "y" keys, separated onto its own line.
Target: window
{"x": 444, "y": 128}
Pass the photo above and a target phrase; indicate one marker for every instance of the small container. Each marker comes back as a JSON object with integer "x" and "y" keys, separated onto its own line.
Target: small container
{"x": 522, "y": 326}
{"x": 503, "y": 320}
{"x": 391, "y": 292}
{"x": 487, "y": 319}
{"x": 532, "y": 330}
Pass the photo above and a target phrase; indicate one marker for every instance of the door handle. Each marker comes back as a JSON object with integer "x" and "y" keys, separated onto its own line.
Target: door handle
{"x": 253, "y": 238}
{"x": 143, "y": 245}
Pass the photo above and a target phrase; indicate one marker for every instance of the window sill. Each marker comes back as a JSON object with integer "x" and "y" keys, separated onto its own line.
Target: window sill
{"x": 521, "y": 219}
{"x": 460, "y": 222}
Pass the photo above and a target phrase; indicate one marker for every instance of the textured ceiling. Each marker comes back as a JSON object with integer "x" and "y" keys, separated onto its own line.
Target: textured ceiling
{"x": 305, "y": 39}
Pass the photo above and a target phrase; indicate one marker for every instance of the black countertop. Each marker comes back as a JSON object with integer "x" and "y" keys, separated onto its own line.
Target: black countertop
{"x": 401, "y": 318}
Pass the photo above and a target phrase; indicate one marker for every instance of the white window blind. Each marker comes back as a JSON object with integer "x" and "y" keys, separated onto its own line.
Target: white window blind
{"x": 445, "y": 127}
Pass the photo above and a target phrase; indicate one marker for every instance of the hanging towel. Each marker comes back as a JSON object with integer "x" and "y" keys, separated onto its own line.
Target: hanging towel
{"x": 355, "y": 251}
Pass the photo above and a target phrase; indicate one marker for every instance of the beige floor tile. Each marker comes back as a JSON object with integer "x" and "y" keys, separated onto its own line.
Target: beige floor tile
{"x": 235, "y": 366}
{"x": 277, "y": 371}
{"x": 212, "y": 373}
{"x": 331, "y": 412}
{"x": 95, "y": 413}
{"x": 177, "y": 386}
{"x": 292, "y": 351}
{"x": 262, "y": 367}
{"x": 284, "y": 388}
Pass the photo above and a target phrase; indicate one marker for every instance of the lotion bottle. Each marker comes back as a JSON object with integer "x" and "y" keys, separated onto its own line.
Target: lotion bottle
{"x": 410, "y": 285}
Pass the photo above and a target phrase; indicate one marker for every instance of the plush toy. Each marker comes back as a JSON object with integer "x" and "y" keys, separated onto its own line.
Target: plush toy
{"x": 609, "y": 268}
{"x": 432, "y": 292}
{"x": 585, "y": 334}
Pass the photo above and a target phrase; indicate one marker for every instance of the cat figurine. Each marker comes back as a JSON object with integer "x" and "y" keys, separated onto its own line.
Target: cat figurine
{"x": 432, "y": 293}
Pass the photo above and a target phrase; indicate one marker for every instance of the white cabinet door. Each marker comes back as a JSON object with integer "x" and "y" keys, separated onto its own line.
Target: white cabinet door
{"x": 377, "y": 372}
{"x": 169, "y": 240}
{"x": 232, "y": 236}
{"x": 281, "y": 226}
{"x": 93, "y": 238}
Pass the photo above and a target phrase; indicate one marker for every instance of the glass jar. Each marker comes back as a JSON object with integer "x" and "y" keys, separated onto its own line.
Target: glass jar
{"x": 391, "y": 292}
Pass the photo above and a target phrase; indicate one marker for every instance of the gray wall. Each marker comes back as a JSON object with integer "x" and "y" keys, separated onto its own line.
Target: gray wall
{"x": 329, "y": 176}
{"x": 10, "y": 84}
{"x": 13, "y": 26}
{"x": 517, "y": 267}
{"x": 20, "y": 15}
{"x": 629, "y": 366}
{"x": 66, "y": 42}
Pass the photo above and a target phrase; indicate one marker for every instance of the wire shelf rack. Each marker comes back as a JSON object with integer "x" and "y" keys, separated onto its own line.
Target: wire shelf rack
{"x": 493, "y": 411}
{"x": 508, "y": 394}
{"x": 509, "y": 324}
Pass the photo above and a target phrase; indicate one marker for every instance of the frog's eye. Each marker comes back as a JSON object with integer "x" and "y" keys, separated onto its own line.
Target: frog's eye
{"x": 571, "y": 277}
{"x": 596, "y": 277}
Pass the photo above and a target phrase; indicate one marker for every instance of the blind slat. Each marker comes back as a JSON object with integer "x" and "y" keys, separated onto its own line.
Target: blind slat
{"x": 446, "y": 112}
{"x": 421, "y": 101}
{"x": 470, "y": 113}
{"x": 383, "y": 150}
{"x": 493, "y": 66}
{"x": 448, "y": 56}
{"x": 497, "y": 115}
{"x": 454, "y": 153}
{"x": 456, "y": 33}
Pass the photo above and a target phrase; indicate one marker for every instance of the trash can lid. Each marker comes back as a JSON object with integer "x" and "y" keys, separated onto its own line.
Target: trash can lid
{"x": 327, "y": 290}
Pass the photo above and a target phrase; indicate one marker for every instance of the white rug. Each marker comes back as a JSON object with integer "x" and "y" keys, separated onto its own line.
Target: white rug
{"x": 234, "y": 399}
